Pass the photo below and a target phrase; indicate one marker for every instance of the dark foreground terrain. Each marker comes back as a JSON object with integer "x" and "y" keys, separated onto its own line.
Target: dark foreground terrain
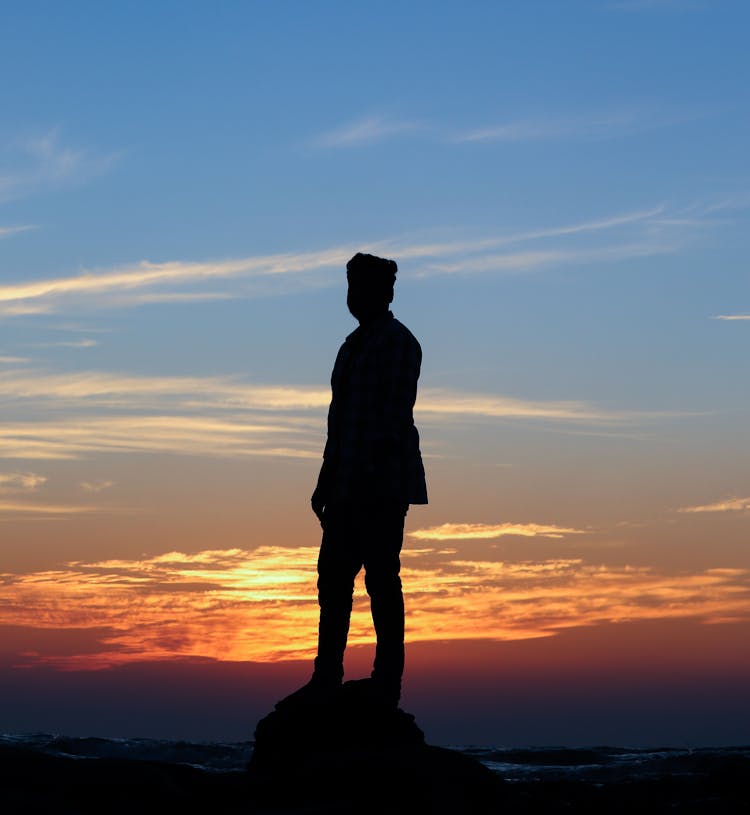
{"x": 426, "y": 780}
{"x": 355, "y": 756}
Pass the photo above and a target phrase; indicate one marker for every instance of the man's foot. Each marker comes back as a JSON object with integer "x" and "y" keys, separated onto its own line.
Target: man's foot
{"x": 376, "y": 692}
{"x": 389, "y": 692}
{"x": 318, "y": 691}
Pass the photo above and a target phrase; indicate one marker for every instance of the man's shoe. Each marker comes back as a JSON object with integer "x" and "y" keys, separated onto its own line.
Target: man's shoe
{"x": 376, "y": 692}
{"x": 387, "y": 692}
{"x": 318, "y": 691}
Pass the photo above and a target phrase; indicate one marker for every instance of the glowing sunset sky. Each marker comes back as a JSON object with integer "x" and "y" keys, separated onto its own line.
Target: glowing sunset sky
{"x": 565, "y": 187}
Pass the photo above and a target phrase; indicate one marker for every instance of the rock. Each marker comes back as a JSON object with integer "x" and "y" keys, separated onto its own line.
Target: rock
{"x": 355, "y": 754}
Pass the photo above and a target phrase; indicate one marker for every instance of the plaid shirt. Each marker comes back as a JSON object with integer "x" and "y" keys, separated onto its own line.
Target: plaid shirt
{"x": 373, "y": 444}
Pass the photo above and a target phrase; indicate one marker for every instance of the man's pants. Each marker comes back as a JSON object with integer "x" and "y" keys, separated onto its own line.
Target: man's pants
{"x": 357, "y": 536}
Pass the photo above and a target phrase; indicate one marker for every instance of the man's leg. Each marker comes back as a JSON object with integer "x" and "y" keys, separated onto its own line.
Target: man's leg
{"x": 338, "y": 565}
{"x": 384, "y": 538}
{"x": 337, "y": 568}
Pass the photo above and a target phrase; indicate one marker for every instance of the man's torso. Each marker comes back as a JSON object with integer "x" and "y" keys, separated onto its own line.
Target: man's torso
{"x": 373, "y": 443}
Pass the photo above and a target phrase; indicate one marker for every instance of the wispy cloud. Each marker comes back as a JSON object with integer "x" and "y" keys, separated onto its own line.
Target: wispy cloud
{"x": 167, "y": 434}
{"x": 732, "y": 317}
{"x": 651, "y": 217}
{"x": 468, "y": 531}
{"x": 367, "y": 130}
{"x": 447, "y": 403}
{"x": 735, "y": 201}
{"x": 125, "y": 281}
{"x": 76, "y": 414}
{"x": 725, "y": 505}
{"x": 7, "y": 359}
{"x": 656, "y": 5}
{"x": 96, "y": 486}
{"x": 20, "y": 482}
{"x": 547, "y": 129}
{"x": 13, "y": 507}
{"x": 39, "y": 162}
{"x": 127, "y": 300}
{"x": 609, "y": 239}
{"x": 586, "y": 126}
{"x": 84, "y": 343}
{"x": 261, "y": 604}
{"x": 225, "y": 416}
{"x": 611, "y": 125}
{"x": 7, "y": 231}
{"x": 103, "y": 388}
{"x": 527, "y": 261}
{"x": 84, "y": 329}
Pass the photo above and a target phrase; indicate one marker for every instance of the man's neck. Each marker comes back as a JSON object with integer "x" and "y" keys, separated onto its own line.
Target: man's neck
{"x": 371, "y": 319}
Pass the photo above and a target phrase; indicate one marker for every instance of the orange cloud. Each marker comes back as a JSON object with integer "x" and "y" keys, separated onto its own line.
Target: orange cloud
{"x": 188, "y": 435}
{"x": 261, "y": 604}
{"x": 20, "y": 482}
{"x": 453, "y": 531}
{"x": 40, "y": 509}
{"x": 727, "y": 505}
{"x": 96, "y": 486}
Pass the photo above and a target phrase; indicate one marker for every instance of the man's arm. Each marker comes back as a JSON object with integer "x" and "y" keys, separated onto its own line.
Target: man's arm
{"x": 322, "y": 492}
{"x": 401, "y": 363}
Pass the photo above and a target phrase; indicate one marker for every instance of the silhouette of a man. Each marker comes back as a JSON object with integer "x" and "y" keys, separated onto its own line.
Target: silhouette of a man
{"x": 371, "y": 472}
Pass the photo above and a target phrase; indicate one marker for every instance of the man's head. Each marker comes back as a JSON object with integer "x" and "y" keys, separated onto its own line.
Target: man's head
{"x": 371, "y": 280}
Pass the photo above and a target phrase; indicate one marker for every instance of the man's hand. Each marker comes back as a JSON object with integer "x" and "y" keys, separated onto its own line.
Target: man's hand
{"x": 321, "y": 493}
{"x": 318, "y": 501}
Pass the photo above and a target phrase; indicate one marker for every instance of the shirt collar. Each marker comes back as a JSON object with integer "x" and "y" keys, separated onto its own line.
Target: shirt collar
{"x": 361, "y": 333}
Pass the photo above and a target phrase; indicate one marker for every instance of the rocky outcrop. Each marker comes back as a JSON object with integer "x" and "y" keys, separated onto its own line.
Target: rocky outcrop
{"x": 353, "y": 753}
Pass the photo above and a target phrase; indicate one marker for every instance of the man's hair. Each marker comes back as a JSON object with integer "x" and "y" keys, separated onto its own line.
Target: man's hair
{"x": 379, "y": 271}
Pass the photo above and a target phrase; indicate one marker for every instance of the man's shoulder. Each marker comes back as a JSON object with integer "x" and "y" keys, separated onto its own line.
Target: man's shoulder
{"x": 400, "y": 332}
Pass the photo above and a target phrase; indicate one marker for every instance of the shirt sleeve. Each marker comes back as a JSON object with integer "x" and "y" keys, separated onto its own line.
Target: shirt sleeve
{"x": 330, "y": 451}
{"x": 400, "y": 366}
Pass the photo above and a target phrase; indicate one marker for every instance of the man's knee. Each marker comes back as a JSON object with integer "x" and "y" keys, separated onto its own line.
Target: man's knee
{"x": 335, "y": 585}
{"x": 382, "y": 583}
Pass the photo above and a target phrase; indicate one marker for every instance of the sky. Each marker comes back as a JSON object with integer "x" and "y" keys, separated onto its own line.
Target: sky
{"x": 565, "y": 188}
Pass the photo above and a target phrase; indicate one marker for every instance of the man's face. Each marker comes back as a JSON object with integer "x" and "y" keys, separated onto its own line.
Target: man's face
{"x": 365, "y": 300}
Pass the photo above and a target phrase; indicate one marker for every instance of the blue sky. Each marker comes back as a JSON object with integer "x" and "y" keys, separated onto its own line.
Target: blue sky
{"x": 194, "y": 132}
